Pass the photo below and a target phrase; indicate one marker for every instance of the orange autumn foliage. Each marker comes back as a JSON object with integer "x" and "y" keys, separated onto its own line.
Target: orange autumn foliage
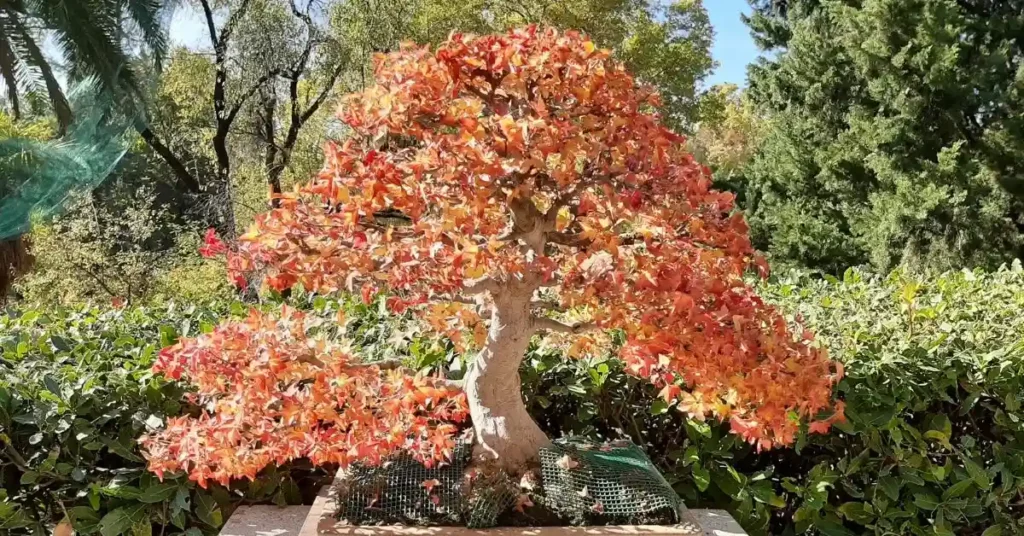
{"x": 272, "y": 391}
{"x": 528, "y": 160}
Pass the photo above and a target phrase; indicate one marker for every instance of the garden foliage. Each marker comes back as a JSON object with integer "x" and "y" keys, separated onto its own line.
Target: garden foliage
{"x": 76, "y": 391}
{"x": 934, "y": 442}
{"x": 894, "y": 133}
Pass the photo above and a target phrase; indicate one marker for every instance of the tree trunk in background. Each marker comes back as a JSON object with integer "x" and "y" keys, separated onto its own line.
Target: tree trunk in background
{"x": 180, "y": 171}
{"x": 506, "y": 434}
{"x": 223, "y": 194}
{"x": 15, "y": 260}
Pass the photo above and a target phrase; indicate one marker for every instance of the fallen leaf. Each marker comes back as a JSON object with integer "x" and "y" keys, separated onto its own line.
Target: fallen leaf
{"x": 567, "y": 463}
{"x": 523, "y": 502}
{"x": 429, "y": 484}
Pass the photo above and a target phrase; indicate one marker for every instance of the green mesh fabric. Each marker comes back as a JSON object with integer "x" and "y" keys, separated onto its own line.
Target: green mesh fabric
{"x": 490, "y": 497}
{"x": 397, "y": 491}
{"x": 37, "y": 178}
{"x": 615, "y": 480}
{"x": 581, "y": 484}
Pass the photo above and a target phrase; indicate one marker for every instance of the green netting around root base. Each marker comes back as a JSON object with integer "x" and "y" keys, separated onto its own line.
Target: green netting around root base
{"x": 404, "y": 491}
{"x": 581, "y": 483}
{"x": 614, "y": 480}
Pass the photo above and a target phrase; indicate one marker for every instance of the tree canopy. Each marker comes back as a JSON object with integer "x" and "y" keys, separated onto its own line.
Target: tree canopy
{"x": 537, "y": 191}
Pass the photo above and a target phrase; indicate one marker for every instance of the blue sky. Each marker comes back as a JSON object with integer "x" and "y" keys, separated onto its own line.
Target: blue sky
{"x": 733, "y": 47}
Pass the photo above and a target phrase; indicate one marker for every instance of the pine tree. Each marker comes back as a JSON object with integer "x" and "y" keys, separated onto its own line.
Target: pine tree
{"x": 896, "y": 133}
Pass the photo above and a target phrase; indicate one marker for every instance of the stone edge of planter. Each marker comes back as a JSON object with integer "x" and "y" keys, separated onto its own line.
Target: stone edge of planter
{"x": 320, "y": 521}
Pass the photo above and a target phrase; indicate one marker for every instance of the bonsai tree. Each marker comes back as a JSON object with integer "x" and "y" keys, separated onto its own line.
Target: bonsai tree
{"x": 499, "y": 187}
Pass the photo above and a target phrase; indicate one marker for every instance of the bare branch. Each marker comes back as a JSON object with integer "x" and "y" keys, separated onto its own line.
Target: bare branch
{"x": 547, "y": 306}
{"x": 210, "y": 25}
{"x": 586, "y": 181}
{"x": 386, "y": 364}
{"x": 577, "y": 240}
{"x": 236, "y": 15}
{"x": 249, "y": 93}
{"x": 550, "y": 324}
{"x": 322, "y": 97}
{"x": 574, "y": 240}
{"x": 452, "y": 384}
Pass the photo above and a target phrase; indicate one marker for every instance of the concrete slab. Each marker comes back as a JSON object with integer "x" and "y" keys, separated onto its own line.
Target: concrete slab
{"x": 318, "y": 520}
{"x": 716, "y": 523}
{"x": 266, "y": 520}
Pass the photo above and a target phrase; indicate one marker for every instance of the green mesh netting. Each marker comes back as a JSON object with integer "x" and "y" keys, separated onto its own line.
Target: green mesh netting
{"x": 614, "y": 480}
{"x": 38, "y": 177}
{"x": 582, "y": 483}
{"x": 404, "y": 491}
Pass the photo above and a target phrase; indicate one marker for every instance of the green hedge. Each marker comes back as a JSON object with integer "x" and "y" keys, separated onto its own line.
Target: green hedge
{"x": 75, "y": 394}
{"x": 935, "y": 438}
{"x": 935, "y": 379}
{"x": 934, "y": 443}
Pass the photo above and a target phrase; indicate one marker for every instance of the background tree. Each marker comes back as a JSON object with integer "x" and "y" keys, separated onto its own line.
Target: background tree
{"x": 667, "y": 44}
{"x": 895, "y": 133}
{"x": 15, "y": 259}
{"x": 89, "y": 35}
{"x": 258, "y": 79}
{"x": 728, "y": 134}
{"x": 542, "y": 194}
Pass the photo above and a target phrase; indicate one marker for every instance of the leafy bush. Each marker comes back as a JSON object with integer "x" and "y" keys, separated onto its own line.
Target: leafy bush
{"x": 934, "y": 443}
{"x": 935, "y": 438}
{"x": 75, "y": 394}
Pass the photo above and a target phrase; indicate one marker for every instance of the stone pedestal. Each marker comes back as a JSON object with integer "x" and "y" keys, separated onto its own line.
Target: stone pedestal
{"x": 318, "y": 520}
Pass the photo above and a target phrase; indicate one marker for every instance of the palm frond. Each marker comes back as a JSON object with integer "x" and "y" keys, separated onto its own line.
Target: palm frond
{"x": 34, "y": 57}
{"x": 8, "y": 72}
{"x": 148, "y": 16}
{"x": 88, "y": 34}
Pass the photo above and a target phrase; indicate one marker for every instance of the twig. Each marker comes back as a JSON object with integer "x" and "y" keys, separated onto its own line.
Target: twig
{"x": 550, "y": 324}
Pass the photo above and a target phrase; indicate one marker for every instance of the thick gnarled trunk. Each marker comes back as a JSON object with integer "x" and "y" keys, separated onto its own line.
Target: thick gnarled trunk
{"x": 506, "y": 436}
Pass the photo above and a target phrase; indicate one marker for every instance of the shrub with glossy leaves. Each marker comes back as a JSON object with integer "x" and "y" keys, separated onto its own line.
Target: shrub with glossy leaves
{"x": 935, "y": 432}
{"x": 76, "y": 391}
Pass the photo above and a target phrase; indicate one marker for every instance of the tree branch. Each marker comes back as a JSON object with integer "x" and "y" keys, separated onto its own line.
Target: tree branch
{"x": 236, "y": 15}
{"x": 452, "y": 384}
{"x": 322, "y": 97}
{"x": 16, "y": 457}
{"x": 547, "y": 306}
{"x": 484, "y": 285}
{"x": 98, "y": 280}
{"x": 210, "y": 25}
{"x": 573, "y": 240}
{"x": 549, "y": 324}
{"x": 386, "y": 364}
{"x": 172, "y": 160}
{"x": 249, "y": 93}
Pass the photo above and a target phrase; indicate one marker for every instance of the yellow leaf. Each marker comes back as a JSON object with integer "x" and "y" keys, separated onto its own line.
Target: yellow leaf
{"x": 564, "y": 219}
